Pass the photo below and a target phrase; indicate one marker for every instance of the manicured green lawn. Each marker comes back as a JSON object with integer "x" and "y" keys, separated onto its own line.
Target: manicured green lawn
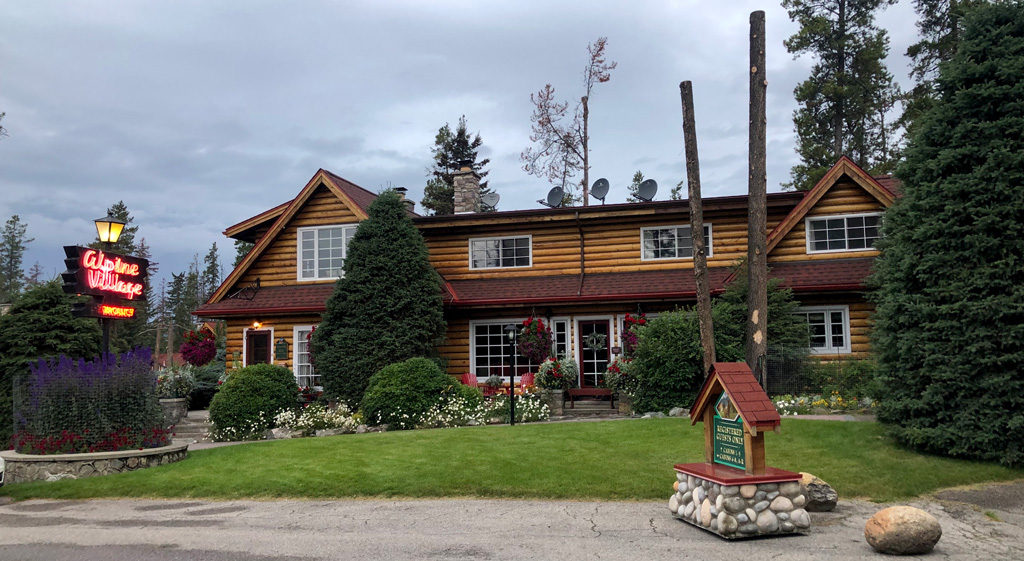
{"x": 626, "y": 460}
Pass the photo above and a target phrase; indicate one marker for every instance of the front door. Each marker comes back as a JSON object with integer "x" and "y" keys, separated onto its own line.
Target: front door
{"x": 257, "y": 346}
{"x": 595, "y": 351}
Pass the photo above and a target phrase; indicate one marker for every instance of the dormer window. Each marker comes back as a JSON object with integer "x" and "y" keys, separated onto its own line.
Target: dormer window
{"x": 853, "y": 232}
{"x": 671, "y": 242}
{"x": 500, "y": 253}
{"x": 322, "y": 251}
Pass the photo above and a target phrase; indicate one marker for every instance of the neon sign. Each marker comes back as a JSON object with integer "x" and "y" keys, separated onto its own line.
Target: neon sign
{"x": 106, "y": 274}
{"x": 121, "y": 312}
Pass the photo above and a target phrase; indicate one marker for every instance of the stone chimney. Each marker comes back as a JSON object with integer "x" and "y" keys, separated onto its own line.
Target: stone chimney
{"x": 409, "y": 205}
{"x": 467, "y": 189}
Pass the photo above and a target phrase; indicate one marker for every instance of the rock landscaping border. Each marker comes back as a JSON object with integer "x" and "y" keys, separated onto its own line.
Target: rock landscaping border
{"x": 21, "y": 468}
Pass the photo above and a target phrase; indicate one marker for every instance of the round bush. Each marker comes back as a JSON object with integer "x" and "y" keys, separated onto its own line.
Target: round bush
{"x": 399, "y": 394}
{"x": 246, "y": 404}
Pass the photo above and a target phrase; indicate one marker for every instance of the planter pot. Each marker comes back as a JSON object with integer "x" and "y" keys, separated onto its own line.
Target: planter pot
{"x": 625, "y": 404}
{"x": 175, "y": 409}
{"x": 554, "y": 400}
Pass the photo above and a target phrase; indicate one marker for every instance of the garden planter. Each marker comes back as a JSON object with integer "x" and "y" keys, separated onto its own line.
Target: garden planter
{"x": 625, "y": 403}
{"x": 175, "y": 409}
{"x": 554, "y": 399}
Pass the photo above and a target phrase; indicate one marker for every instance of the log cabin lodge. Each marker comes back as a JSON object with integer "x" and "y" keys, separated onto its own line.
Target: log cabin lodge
{"x": 581, "y": 268}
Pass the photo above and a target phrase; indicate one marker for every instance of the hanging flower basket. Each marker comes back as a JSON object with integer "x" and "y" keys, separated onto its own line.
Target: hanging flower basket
{"x": 534, "y": 340}
{"x": 199, "y": 347}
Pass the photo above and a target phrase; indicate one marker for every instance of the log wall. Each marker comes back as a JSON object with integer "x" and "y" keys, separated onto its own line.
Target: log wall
{"x": 845, "y": 197}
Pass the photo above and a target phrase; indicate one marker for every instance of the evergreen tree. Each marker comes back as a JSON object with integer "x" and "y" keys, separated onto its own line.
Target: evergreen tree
{"x": 677, "y": 191}
{"x": 450, "y": 148}
{"x": 210, "y": 278}
{"x": 844, "y": 104}
{"x": 13, "y": 243}
{"x": 940, "y": 25}
{"x": 634, "y": 188}
{"x": 949, "y": 325}
{"x": 39, "y": 324}
{"x": 386, "y": 307}
{"x": 137, "y": 331}
{"x": 242, "y": 248}
{"x": 34, "y": 277}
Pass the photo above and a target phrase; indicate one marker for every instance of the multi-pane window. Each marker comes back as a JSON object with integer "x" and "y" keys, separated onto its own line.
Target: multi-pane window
{"x": 828, "y": 329}
{"x": 322, "y": 251}
{"x": 671, "y": 242}
{"x": 494, "y": 253}
{"x": 489, "y": 348}
{"x": 304, "y": 373}
{"x": 842, "y": 233}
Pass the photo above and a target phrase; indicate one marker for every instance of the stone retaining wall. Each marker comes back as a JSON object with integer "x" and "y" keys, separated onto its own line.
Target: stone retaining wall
{"x": 740, "y": 511}
{"x": 53, "y": 467}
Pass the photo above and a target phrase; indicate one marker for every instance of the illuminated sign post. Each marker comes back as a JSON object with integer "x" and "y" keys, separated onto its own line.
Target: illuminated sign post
{"x": 110, "y": 278}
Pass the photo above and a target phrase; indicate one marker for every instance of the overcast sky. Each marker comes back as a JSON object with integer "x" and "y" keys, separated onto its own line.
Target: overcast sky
{"x": 199, "y": 114}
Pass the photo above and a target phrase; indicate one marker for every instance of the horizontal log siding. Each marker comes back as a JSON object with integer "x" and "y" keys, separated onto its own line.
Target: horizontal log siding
{"x": 861, "y": 313}
{"x": 278, "y": 264}
{"x": 610, "y": 247}
{"x": 283, "y": 327}
{"x": 845, "y": 197}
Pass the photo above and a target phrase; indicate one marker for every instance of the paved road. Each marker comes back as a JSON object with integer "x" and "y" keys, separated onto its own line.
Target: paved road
{"x": 454, "y": 529}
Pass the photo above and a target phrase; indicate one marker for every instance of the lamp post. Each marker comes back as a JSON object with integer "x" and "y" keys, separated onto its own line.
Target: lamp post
{"x": 510, "y": 333}
{"x": 108, "y": 230}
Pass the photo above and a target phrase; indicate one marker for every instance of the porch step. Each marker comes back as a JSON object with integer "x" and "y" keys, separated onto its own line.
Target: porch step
{"x": 193, "y": 428}
{"x": 590, "y": 408}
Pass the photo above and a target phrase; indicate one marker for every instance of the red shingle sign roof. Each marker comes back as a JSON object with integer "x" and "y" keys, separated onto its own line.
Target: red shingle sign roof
{"x": 736, "y": 379}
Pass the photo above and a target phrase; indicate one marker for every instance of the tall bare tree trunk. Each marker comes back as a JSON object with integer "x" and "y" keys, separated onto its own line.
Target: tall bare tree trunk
{"x": 586, "y": 151}
{"x": 170, "y": 343}
{"x": 757, "y": 262}
{"x": 839, "y": 119}
{"x": 700, "y": 258}
{"x": 156, "y": 346}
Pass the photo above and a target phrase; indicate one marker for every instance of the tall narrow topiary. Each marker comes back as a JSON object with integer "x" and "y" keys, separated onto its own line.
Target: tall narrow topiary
{"x": 949, "y": 327}
{"x": 385, "y": 309}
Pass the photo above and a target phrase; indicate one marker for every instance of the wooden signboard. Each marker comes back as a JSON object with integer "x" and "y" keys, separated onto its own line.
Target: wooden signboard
{"x": 281, "y": 349}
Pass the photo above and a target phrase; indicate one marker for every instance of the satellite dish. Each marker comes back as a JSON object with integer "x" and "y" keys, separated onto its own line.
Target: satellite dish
{"x": 555, "y": 196}
{"x": 490, "y": 199}
{"x": 600, "y": 189}
{"x": 648, "y": 188}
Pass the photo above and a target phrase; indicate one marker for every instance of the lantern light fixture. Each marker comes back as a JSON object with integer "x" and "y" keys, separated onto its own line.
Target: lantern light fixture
{"x": 109, "y": 228}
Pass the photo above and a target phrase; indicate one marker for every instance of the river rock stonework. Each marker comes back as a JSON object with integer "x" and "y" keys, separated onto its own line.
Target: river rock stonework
{"x": 54, "y": 467}
{"x": 740, "y": 511}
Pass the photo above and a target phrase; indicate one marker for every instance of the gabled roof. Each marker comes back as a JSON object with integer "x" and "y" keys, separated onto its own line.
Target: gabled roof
{"x": 844, "y": 166}
{"x": 246, "y": 229}
{"x": 356, "y": 198}
{"x": 272, "y": 300}
{"x": 736, "y": 379}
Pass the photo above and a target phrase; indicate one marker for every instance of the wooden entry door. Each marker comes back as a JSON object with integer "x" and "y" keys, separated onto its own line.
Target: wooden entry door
{"x": 594, "y": 361}
{"x": 257, "y": 346}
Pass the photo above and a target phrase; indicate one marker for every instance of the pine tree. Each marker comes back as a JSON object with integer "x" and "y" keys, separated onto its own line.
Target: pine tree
{"x": 34, "y": 277}
{"x": 39, "y": 324}
{"x": 450, "y": 148}
{"x": 242, "y": 248}
{"x": 844, "y": 105}
{"x": 634, "y": 187}
{"x": 949, "y": 325}
{"x": 386, "y": 307}
{"x": 13, "y": 243}
{"x": 210, "y": 278}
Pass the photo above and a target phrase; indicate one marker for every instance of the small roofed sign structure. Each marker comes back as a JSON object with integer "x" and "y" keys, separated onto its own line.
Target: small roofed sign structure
{"x": 733, "y": 493}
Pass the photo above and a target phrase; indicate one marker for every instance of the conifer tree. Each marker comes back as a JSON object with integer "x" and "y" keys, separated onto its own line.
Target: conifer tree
{"x": 634, "y": 188}
{"x": 242, "y": 249}
{"x": 844, "y": 105}
{"x": 210, "y": 278}
{"x": 386, "y": 307}
{"x": 949, "y": 325}
{"x": 13, "y": 243}
{"x": 450, "y": 148}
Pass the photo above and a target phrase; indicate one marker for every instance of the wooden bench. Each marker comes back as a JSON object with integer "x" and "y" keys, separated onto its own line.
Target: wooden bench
{"x": 599, "y": 393}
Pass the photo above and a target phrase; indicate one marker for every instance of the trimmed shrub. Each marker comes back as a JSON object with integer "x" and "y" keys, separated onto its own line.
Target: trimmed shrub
{"x": 248, "y": 402}
{"x": 207, "y": 378}
{"x": 399, "y": 394}
{"x": 71, "y": 406}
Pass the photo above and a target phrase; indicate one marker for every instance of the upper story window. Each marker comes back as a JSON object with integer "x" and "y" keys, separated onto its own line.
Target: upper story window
{"x": 828, "y": 328}
{"x": 497, "y": 253}
{"x": 671, "y": 242}
{"x": 322, "y": 251}
{"x": 854, "y": 232}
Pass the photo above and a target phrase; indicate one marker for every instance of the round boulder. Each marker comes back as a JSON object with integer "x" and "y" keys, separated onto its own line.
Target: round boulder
{"x": 821, "y": 497}
{"x": 902, "y": 530}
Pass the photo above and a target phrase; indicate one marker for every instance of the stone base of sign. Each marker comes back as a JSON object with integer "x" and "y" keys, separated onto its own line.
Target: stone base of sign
{"x": 735, "y": 505}
{"x": 20, "y": 468}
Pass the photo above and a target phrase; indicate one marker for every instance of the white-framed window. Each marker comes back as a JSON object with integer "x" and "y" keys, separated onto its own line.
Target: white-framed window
{"x": 851, "y": 232}
{"x": 305, "y": 376}
{"x": 671, "y": 242}
{"x": 489, "y": 347}
{"x": 500, "y": 253}
{"x": 322, "y": 251}
{"x": 828, "y": 328}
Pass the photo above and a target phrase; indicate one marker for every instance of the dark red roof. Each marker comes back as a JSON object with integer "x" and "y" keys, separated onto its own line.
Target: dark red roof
{"x": 271, "y": 300}
{"x": 823, "y": 274}
{"x": 647, "y": 285}
{"x": 891, "y": 184}
{"x": 750, "y": 399}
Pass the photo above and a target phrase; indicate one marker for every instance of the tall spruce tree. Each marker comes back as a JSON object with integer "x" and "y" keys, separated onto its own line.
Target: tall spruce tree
{"x": 39, "y": 325}
{"x": 13, "y": 243}
{"x": 386, "y": 307}
{"x": 634, "y": 188}
{"x": 242, "y": 248}
{"x": 450, "y": 148}
{"x": 949, "y": 325}
{"x": 210, "y": 278}
{"x": 844, "y": 105}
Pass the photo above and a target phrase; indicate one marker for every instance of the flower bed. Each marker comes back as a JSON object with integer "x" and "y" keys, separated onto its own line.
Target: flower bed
{"x": 821, "y": 405}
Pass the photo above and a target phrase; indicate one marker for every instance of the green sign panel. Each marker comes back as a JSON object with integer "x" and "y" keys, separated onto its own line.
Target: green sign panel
{"x": 281, "y": 349}
{"x": 728, "y": 435}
